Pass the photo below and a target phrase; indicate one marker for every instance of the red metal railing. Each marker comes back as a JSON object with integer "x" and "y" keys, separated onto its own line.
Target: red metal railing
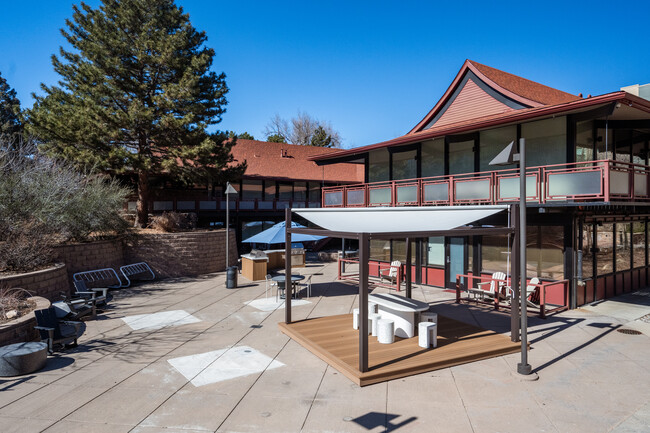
{"x": 354, "y": 276}
{"x": 548, "y": 297}
{"x": 603, "y": 180}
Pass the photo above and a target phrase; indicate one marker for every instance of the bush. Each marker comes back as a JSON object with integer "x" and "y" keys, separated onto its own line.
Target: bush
{"x": 174, "y": 221}
{"x": 44, "y": 201}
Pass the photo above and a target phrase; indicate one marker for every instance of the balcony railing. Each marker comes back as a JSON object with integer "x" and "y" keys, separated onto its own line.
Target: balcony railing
{"x": 220, "y": 205}
{"x": 593, "y": 181}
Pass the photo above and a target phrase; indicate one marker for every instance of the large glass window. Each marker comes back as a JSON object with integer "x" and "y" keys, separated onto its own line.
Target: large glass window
{"x": 585, "y": 141}
{"x": 314, "y": 191}
{"x": 638, "y": 243}
{"x": 492, "y": 142}
{"x": 604, "y": 144}
{"x": 300, "y": 191}
{"x": 285, "y": 191}
{"x": 587, "y": 251}
{"x": 433, "y": 158}
{"x": 545, "y": 141}
{"x": 405, "y": 165}
{"x": 436, "y": 251}
{"x": 399, "y": 251}
{"x": 269, "y": 190}
{"x": 605, "y": 252}
{"x": 380, "y": 250}
{"x": 623, "y": 246}
{"x": 378, "y": 165}
{"x": 495, "y": 254}
{"x": 251, "y": 189}
{"x": 461, "y": 157}
{"x": 544, "y": 252}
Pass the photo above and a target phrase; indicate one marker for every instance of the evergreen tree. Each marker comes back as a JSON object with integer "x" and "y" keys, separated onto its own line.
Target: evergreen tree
{"x": 276, "y": 138}
{"x": 245, "y": 136}
{"x": 321, "y": 138}
{"x": 10, "y": 124}
{"x": 136, "y": 96}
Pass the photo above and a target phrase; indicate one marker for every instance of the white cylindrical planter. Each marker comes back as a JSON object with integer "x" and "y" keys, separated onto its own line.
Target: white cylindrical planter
{"x": 355, "y": 318}
{"x": 372, "y": 307}
{"x": 374, "y": 318}
{"x": 428, "y": 334}
{"x": 385, "y": 331}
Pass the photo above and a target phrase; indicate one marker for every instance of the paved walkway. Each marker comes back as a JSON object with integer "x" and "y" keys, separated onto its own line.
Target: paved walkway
{"x": 192, "y": 356}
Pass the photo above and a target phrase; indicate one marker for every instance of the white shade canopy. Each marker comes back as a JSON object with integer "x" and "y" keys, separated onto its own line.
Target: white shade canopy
{"x": 397, "y": 219}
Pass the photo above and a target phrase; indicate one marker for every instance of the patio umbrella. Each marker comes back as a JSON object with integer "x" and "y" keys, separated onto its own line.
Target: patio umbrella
{"x": 276, "y": 235}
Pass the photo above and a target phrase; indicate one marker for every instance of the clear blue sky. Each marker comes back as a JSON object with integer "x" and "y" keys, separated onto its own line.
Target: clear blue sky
{"x": 371, "y": 68}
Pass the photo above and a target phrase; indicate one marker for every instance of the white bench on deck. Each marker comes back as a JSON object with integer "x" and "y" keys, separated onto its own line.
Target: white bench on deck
{"x": 399, "y": 309}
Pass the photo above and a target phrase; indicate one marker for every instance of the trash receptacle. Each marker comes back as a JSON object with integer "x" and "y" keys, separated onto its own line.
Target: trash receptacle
{"x": 231, "y": 277}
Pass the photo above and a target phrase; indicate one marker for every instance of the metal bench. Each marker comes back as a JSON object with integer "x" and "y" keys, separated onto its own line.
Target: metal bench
{"x": 136, "y": 269}
{"x": 99, "y": 276}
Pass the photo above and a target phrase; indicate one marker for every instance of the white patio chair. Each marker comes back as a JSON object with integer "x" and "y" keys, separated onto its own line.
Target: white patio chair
{"x": 497, "y": 282}
{"x": 269, "y": 285}
{"x": 391, "y": 273}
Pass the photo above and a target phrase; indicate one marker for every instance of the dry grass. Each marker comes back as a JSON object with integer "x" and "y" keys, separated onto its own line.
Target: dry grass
{"x": 14, "y": 301}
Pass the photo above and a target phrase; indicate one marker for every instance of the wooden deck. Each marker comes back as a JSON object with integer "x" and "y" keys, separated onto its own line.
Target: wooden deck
{"x": 334, "y": 341}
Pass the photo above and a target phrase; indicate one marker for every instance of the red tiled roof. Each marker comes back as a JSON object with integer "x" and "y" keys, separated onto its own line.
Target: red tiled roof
{"x": 523, "y": 87}
{"x": 268, "y": 160}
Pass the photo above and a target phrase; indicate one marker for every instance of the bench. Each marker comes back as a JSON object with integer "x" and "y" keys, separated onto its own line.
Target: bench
{"x": 399, "y": 309}
{"x": 136, "y": 269}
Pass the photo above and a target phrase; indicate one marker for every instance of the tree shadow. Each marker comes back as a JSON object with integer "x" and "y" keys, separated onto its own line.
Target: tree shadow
{"x": 373, "y": 420}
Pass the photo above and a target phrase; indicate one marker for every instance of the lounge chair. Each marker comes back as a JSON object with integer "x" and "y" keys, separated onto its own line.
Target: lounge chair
{"x": 98, "y": 295}
{"x": 530, "y": 289}
{"x": 495, "y": 285}
{"x": 74, "y": 309}
{"x": 56, "y": 332}
{"x": 391, "y": 273}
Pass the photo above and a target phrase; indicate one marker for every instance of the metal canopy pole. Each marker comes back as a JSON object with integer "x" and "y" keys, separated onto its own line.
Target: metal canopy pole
{"x": 523, "y": 367}
{"x": 287, "y": 266}
{"x": 229, "y": 190}
{"x": 408, "y": 268}
{"x": 363, "y": 302}
{"x": 514, "y": 278}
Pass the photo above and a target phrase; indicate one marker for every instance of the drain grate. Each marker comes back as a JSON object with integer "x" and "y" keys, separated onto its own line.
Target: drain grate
{"x": 645, "y": 318}
{"x": 629, "y": 331}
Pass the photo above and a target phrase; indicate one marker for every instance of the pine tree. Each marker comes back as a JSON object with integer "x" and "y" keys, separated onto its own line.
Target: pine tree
{"x": 10, "y": 124}
{"x": 321, "y": 138}
{"x": 136, "y": 96}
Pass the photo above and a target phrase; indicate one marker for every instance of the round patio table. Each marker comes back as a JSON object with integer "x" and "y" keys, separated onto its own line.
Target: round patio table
{"x": 294, "y": 280}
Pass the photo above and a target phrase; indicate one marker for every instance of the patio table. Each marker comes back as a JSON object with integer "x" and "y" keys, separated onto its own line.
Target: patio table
{"x": 294, "y": 281}
{"x": 401, "y": 310}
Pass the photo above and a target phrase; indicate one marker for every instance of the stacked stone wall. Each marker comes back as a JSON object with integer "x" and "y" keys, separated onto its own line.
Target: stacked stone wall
{"x": 48, "y": 283}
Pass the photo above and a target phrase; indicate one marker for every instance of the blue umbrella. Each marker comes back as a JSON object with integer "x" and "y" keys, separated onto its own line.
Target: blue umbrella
{"x": 276, "y": 235}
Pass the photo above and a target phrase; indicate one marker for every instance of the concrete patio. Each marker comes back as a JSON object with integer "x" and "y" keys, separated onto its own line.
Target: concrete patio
{"x": 208, "y": 361}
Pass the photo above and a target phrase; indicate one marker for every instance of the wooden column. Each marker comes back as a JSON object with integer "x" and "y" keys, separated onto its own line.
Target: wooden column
{"x": 364, "y": 246}
{"x": 287, "y": 266}
{"x": 408, "y": 268}
{"x": 514, "y": 277}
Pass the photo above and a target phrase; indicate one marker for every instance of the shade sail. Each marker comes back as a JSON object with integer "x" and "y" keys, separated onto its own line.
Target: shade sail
{"x": 276, "y": 235}
{"x": 397, "y": 219}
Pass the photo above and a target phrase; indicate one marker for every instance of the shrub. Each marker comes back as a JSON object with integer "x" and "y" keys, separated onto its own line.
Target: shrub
{"x": 44, "y": 201}
{"x": 174, "y": 221}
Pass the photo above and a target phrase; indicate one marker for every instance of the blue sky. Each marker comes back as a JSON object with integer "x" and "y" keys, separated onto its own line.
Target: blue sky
{"x": 372, "y": 69}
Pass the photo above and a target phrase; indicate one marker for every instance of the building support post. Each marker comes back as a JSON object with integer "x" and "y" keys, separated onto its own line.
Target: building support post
{"x": 363, "y": 301}
{"x": 408, "y": 268}
{"x": 287, "y": 266}
{"x": 514, "y": 277}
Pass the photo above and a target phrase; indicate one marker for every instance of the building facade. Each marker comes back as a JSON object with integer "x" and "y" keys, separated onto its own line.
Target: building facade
{"x": 587, "y": 179}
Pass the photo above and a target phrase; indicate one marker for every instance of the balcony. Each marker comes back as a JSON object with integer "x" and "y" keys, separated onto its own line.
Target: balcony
{"x": 594, "y": 181}
{"x": 220, "y": 205}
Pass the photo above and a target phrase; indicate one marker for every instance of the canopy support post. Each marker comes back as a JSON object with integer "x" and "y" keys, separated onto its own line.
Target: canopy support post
{"x": 408, "y": 268}
{"x": 287, "y": 266}
{"x": 514, "y": 277}
{"x": 363, "y": 302}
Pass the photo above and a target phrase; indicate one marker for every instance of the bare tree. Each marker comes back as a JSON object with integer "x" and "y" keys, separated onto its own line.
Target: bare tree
{"x": 300, "y": 130}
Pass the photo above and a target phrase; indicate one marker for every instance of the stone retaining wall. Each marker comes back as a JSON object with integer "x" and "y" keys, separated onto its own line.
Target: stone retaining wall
{"x": 48, "y": 283}
{"x": 182, "y": 254}
{"x": 22, "y": 329}
{"x": 92, "y": 255}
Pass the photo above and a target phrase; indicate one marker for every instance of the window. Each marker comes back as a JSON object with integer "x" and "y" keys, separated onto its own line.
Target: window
{"x": 623, "y": 246}
{"x": 585, "y": 141}
{"x": 545, "y": 141}
{"x": 461, "y": 157}
{"x": 494, "y": 141}
{"x": 433, "y": 158}
{"x": 251, "y": 189}
{"x": 300, "y": 191}
{"x": 605, "y": 251}
{"x": 405, "y": 165}
{"x": 314, "y": 192}
{"x": 544, "y": 252}
{"x": 399, "y": 251}
{"x": 495, "y": 254}
{"x": 587, "y": 248}
{"x": 378, "y": 165}
{"x": 638, "y": 243}
{"x": 436, "y": 251}
{"x": 269, "y": 190}
{"x": 285, "y": 191}
{"x": 380, "y": 250}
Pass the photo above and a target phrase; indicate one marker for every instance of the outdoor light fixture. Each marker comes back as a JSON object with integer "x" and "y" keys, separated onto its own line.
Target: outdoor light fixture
{"x": 229, "y": 190}
{"x": 506, "y": 157}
